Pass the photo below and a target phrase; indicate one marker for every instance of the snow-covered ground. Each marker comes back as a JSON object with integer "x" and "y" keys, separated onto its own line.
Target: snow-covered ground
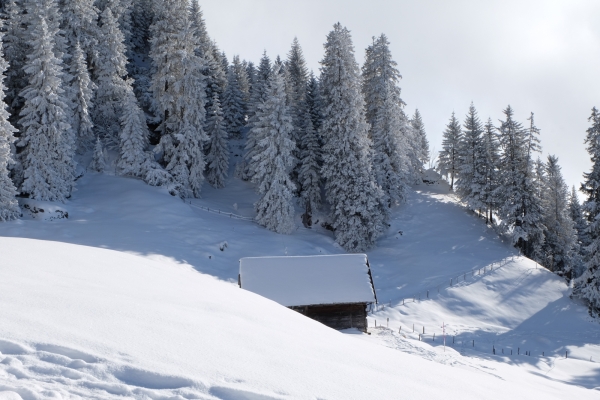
{"x": 134, "y": 295}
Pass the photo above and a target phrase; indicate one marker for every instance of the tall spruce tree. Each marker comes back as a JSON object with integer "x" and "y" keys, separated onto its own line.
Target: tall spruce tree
{"x": 358, "y": 213}
{"x": 313, "y": 103}
{"x": 386, "y": 119}
{"x": 9, "y": 208}
{"x": 471, "y": 170}
{"x": 449, "y": 155}
{"x": 520, "y": 209}
{"x": 133, "y": 137}
{"x": 109, "y": 73}
{"x": 47, "y": 139}
{"x": 217, "y": 158}
{"x": 309, "y": 177}
{"x": 83, "y": 91}
{"x": 296, "y": 81}
{"x": 560, "y": 236}
{"x": 580, "y": 225}
{"x": 179, "y": 91}
{"x": 260, "y": 91}
{"x": 421, "y": 143}
{"x": 587, "y": 286}
{"x": 492, "y": 156}
{"x": 233, "y": 105}
{"x": 273, "y": 160}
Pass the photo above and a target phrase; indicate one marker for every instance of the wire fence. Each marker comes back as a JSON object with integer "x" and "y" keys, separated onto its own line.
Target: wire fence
{"x": 223, "y": 213}
{"x": 463, "y": 343}
{"x": 427, "y": 293}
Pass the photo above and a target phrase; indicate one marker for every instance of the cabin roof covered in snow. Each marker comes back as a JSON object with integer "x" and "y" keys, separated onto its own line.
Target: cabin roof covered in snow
{"x": 309, "y": 280}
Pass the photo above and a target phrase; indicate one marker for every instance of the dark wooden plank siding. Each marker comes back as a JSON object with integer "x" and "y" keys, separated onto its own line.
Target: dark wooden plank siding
{"x": 337, "y": 316}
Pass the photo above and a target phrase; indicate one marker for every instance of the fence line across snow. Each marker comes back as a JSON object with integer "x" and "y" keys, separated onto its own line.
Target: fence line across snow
{"x": 223, "y": 213}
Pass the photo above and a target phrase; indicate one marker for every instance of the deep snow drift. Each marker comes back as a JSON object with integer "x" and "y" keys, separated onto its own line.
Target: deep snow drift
{"x": 90, "y": 322}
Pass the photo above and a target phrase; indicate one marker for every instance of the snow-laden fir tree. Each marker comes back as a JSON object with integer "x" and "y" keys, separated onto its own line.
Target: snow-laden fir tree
{"x": 587, "y": 286}
{"x": 448, "y": 159}
{"x": 133, "y": 138}
{"x": 83, "y": 91}
{"x": 121, "y": 10}
{"x": 492, "y": 156}
{"x": 179, "y": 95}
{"x": 239, "y": 68}
{"x": 217, "y": 159}
{"x": 109, "y": 76}
{"x": 15, "y": 46}
{"x": 46, "y": 138}
{"x": 215, "y": 75}
{"x": 296, "y": 85}
{"x": 580, "y": 225}
{"x": 9, "y": 207}
{"x": 309, "y": 176}
{"x": 560, "y": 236}
{"x": 274, "y": 160}
{"x": 98, "y": 162}
{"x": 313, "y": 102}
{"x": 358, "y": 214}
{"x": 79, "y": 24}
{"x": 420, "y": 138}
{"x": 233, "y": 105}
{"x": 471, "y": 169}
{"x": 260, "y": 92}
{"x": 520, "y": 209}
{"x": 141, "y": 19}
{"x": 385, "y": 117}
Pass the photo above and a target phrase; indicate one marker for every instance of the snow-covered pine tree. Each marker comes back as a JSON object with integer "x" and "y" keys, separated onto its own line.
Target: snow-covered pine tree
{"x": 580, "y": 225}
{"x": 260, "y": 94}
{"x": 79, "y": 24}
{"x": 358, "y": 212}
{"x": 471, "y": 169}
{"x": 179, "y": 95}
{"x": 251, "y": 73}
{"x": 587, "y": 286}
{"x": 296, "y": 85}
{"x": 560, "y": 235}
{"x": 98, "y": 162}
{"x": 233, "y": 105}
{"x": 309, "y": 176}
{"x": 384, "y": 115}
{"x": 215, "y": 75}
{"x": 448, "y": 159}
{"x": 239, "y": 68}
{"x": 217, "y": 159}
{"x": 109, "y": 73}
{"x": 15, "y": 45}
{"x": 133, "y": 138}
{"x": 47, "y": 156}
{"x": 420, "y": 137}
{"x": 121, "y": 10}
{"x": 492, "y": 156}
{"x": 274, "y": 160}
{"x": 141, "y": 19}
{"x": 520, "y": 208}
{"x": 313, "y": 103}
{"x": 9, "y": 207}
{"x": 83, "y": 90}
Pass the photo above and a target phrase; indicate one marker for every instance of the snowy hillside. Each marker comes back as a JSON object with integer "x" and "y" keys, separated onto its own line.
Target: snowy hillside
{"x": 134, "y": 295}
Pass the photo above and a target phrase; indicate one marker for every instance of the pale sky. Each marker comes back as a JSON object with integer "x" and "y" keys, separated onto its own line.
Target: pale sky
{"x": 541, "y": 56}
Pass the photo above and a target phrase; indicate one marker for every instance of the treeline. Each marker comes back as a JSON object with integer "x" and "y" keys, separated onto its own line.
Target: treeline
{"x": 494, "y": 170}
{"x": 143, "y": 81}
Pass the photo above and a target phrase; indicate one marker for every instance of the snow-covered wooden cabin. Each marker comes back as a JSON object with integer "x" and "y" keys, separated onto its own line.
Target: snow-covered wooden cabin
{"x": 335, "y": 290}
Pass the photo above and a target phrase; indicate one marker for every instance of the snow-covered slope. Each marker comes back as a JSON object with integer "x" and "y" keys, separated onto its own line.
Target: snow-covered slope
{"x": 134, "y": 295}
{"x": 95, "y": 323}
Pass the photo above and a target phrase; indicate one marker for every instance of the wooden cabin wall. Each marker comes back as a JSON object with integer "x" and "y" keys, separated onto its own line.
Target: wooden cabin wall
{"x": 338, "y": 316}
